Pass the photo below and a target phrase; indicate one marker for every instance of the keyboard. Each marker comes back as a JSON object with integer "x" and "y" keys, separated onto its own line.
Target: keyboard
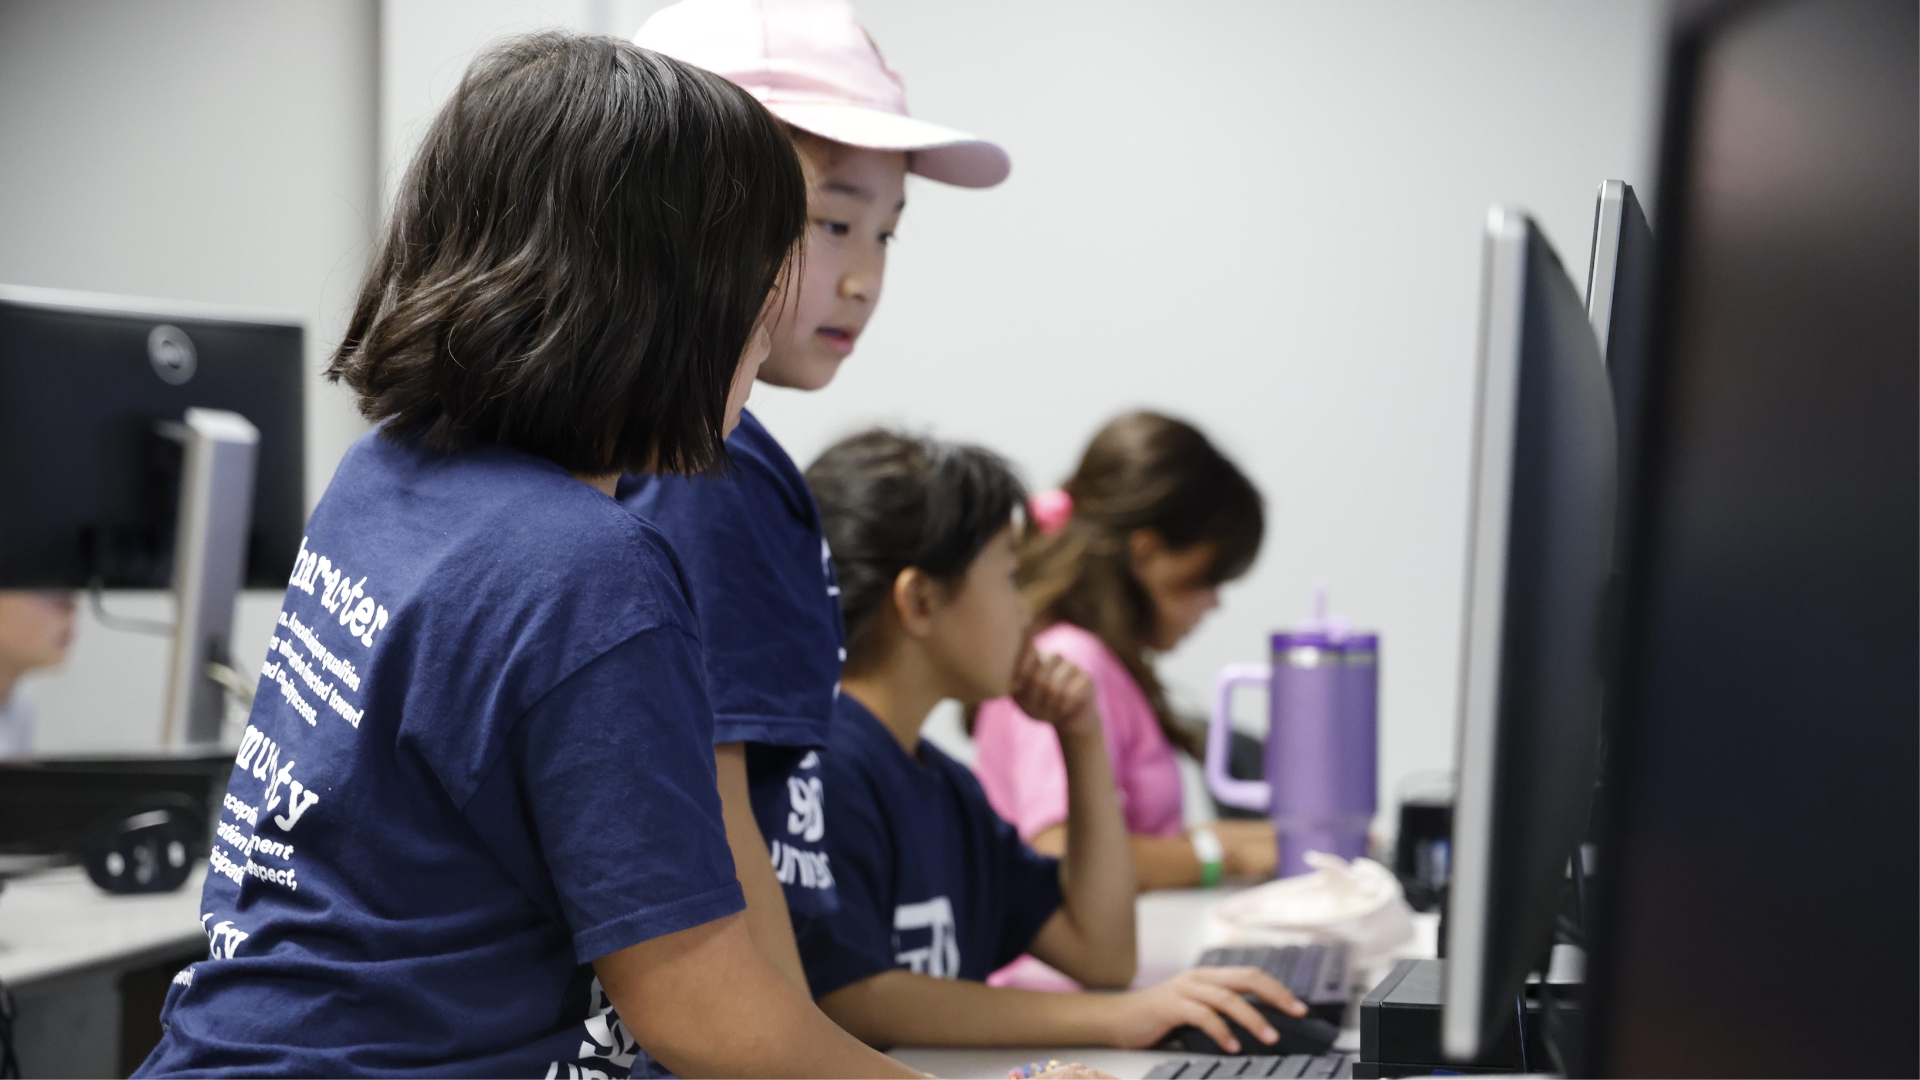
{"x": 1316, "y": 1066}
{"x": 1317, "y": 974}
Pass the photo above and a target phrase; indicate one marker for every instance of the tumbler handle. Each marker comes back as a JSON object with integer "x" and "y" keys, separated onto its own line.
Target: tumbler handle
{"x": 1242, "y": 794}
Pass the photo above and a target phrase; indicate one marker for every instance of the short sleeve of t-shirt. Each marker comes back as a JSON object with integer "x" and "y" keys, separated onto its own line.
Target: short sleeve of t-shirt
{"x": 633, "y": 854}
{"x": 769, "y": 613}
{"x": 855, "y": 939}
{"x": 762, "y": 581}
{"x": 1029, "y": 881}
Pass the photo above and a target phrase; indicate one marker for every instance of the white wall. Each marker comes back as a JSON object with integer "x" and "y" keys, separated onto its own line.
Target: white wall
{"x": 425, "y": 46}
{"x": 212, "y": 150}
{"x": 1263, "y": 217}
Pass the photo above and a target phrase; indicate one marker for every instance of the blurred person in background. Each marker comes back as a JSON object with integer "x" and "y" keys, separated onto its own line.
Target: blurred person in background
{"x": 1120, "y": 565}
{"x": 36, "y": 627}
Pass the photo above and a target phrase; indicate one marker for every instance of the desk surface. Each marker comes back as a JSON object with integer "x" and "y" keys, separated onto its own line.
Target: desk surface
{"x": 57, "y": 923}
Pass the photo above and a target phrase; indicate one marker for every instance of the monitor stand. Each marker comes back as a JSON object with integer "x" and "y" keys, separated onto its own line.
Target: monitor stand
{"x": 210, "y": 555}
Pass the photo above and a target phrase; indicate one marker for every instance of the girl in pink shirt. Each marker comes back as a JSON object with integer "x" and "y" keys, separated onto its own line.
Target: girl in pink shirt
{"x": 1120, "y": 566}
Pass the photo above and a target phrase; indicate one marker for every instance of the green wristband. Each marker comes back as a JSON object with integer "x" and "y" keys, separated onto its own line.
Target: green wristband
{"x": 1211, "y": 853}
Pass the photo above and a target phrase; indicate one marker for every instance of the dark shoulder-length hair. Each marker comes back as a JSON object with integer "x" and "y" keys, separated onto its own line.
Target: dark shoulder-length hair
{"x": 576, "y": 260}
{"x": 889, "y": 502}
{"x": 1141, "y": 471}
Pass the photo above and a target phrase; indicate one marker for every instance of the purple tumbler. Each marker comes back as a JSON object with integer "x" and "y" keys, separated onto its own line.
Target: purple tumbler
{"x": 1323, "y": 691}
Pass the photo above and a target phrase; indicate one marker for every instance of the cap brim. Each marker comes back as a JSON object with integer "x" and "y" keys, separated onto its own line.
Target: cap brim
{"x": 939, "y": 153}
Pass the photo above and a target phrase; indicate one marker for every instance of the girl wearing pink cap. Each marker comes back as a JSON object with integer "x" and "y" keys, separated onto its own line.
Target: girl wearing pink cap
{"x": 751, "y": 541}
{"x": 1123, "y": 562}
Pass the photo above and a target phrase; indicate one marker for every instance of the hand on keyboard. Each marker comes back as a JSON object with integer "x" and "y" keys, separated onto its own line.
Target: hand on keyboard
{"x": 1200, "y": 997}
{"x": 1316, "y": 974}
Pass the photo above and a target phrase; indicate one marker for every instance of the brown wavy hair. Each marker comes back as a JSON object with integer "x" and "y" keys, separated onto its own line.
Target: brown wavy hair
{"x": 1141, "y": 471}
{"x": 576, "y": 260}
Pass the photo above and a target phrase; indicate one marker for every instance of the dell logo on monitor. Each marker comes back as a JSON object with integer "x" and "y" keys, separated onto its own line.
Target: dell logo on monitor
{"x": 170, "y": 351}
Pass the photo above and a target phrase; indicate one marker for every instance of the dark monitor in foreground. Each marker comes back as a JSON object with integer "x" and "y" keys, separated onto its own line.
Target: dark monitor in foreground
{"x": 1759, "y": 885}
{"x": 89, "y": 478}
{"x": 1539, "y": 556}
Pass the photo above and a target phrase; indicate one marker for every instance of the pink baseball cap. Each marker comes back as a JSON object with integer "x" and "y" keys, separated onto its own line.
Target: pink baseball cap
{"x": 813, "y": 65}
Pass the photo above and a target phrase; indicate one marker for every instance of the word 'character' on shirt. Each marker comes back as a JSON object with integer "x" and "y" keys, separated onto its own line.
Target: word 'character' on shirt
{"x": 341, "y": 595}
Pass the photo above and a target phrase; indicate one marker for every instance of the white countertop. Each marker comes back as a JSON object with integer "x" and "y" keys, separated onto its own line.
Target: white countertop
{"x": 57, "y": 922}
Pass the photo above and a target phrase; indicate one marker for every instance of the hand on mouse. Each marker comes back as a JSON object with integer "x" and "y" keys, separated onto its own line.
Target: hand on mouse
{"x": 1200, "y": 996}
{"x": 1052, "y": 690}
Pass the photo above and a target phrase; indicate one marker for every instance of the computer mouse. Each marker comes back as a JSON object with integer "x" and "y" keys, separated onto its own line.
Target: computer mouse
{"x": 1298, "y": 1035}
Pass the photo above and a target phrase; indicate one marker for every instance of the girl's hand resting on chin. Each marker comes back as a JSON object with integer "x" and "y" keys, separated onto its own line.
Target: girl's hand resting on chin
{"x": 1052, "y": 690}
{"x": 1199, "y": 996}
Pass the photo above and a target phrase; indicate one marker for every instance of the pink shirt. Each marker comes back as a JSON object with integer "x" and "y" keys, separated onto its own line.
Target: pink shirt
{"x": 1018, "y": 758}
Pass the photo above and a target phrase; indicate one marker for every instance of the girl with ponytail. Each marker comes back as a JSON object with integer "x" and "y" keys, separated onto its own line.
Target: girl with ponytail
{"x": 1119, "y": 566}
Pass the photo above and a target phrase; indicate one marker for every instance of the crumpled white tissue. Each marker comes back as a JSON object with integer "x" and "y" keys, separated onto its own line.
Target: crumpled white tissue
{"x": 1359, "y": 901}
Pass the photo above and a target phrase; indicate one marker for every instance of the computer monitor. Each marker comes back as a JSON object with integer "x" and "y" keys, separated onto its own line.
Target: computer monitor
{"x": 1539, "y": 556}
{"x": 89, "y": 480}
{"x": 1619, "y": 277}
{"x": 1759, "y": 884}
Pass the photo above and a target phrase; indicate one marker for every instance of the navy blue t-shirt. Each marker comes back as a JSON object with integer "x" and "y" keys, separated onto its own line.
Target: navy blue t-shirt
{"x": 770, "y": 629}
{"x": 930, "y": 878}
{"x": 480, "y": 756}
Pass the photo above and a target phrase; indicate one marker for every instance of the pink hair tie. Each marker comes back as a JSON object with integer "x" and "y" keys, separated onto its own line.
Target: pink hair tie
{"x": 1050, "y": 510}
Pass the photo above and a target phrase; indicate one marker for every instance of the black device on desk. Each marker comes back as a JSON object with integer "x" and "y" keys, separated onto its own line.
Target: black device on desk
{"x": 1317, "y": 975}
{"x": 136, "y": 823}
{"x": 1400, "y": 1030}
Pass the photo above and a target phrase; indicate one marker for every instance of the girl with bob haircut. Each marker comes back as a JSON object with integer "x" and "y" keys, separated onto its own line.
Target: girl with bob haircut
{"x": 473, "y": 828}
{"x": 1120, "y": 565}
{"x": 936, "y": 890}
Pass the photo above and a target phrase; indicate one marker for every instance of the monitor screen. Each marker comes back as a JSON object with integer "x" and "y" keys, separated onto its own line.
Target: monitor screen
{"x": 1758, "y": 881}
{"x": 1539, "y": 558}
{"x": 90, "y": 388}
{"x": 1619, "y": 277}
